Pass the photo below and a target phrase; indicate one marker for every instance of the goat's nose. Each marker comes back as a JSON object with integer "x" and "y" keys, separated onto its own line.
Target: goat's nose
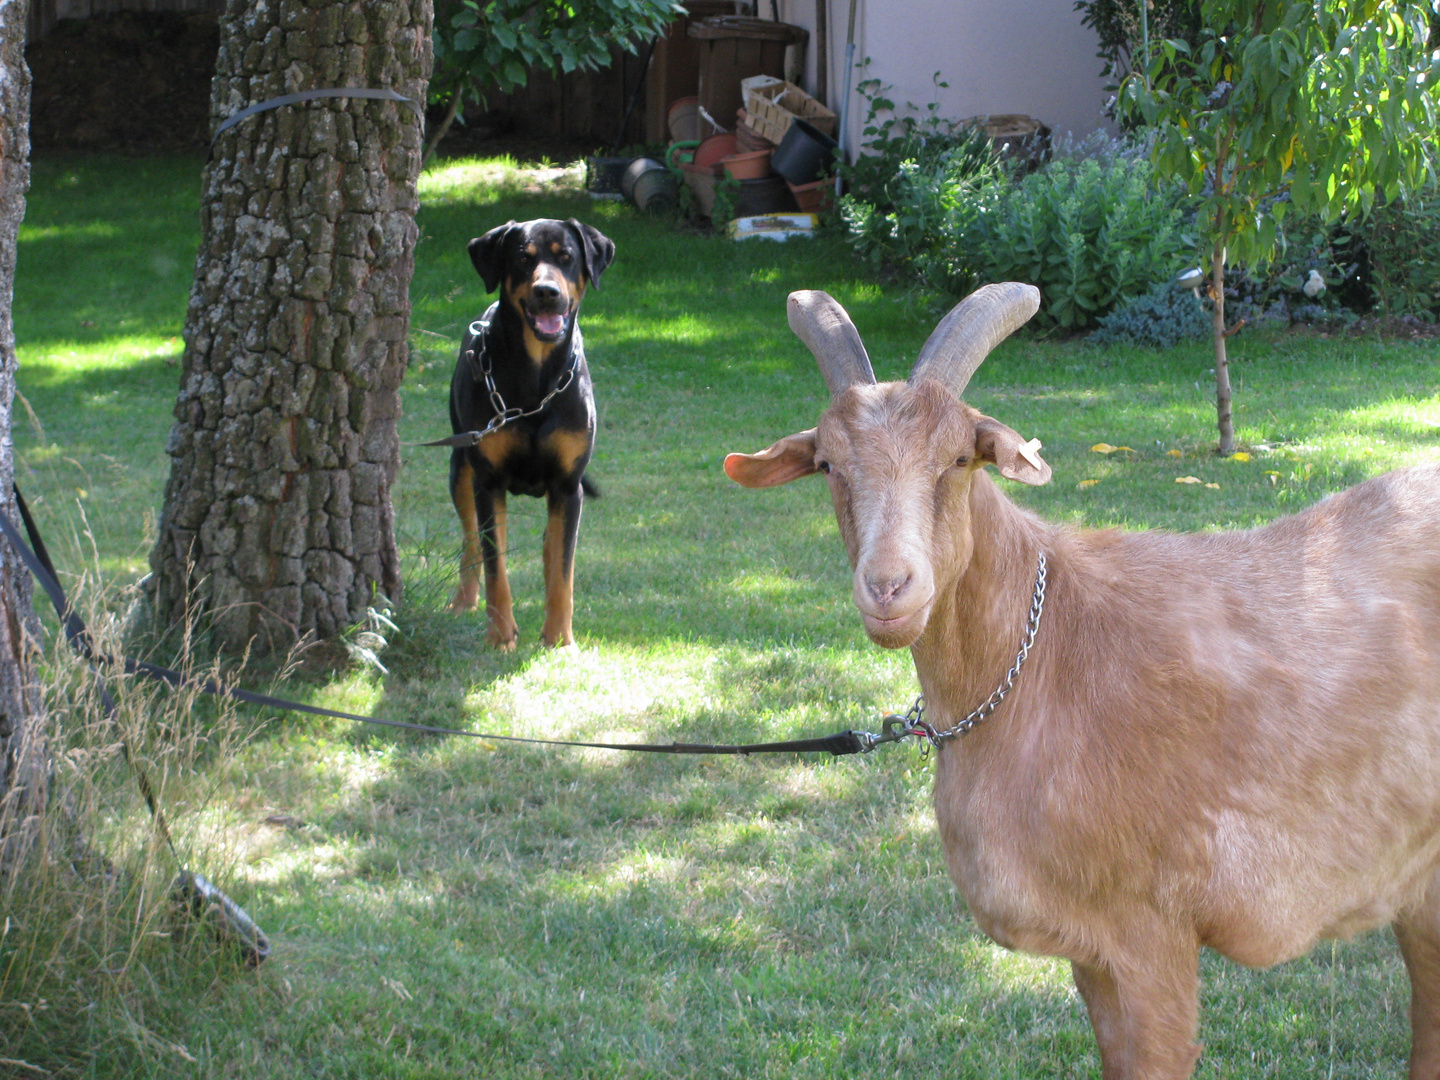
{"x": 886, "y": 589}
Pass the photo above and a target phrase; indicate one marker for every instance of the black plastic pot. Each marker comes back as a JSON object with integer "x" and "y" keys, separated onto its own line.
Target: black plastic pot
{"x": 650, "y": 185}
{"x": 805, "y": 153}
{"x": 766, "y": 195}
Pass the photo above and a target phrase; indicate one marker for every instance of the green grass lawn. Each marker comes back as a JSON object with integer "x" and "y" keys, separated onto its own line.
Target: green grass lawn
{"x": 476, "y": 908}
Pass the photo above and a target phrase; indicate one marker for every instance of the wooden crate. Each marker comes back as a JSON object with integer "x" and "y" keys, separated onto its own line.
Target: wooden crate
{"x": 773, "y": 106}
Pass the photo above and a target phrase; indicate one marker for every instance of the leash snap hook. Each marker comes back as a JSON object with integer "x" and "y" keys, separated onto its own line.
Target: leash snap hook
{"x": 893, "y": 728}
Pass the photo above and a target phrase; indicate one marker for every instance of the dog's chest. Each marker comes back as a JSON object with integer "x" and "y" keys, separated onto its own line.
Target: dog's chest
{"x": 528, "y": 459}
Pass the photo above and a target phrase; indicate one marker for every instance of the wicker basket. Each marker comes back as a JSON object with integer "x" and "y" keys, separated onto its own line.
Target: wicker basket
{"x": 774, "y": 105}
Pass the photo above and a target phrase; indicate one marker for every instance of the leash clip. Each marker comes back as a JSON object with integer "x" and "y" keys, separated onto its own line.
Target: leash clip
{"x": 893, "y": 728}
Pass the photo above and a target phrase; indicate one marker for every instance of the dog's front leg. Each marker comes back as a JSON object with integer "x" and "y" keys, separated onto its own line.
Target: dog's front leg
{"x": 462, "y": 494}
{"x": 503, "y": 632}
{"x": 561, "y": 529}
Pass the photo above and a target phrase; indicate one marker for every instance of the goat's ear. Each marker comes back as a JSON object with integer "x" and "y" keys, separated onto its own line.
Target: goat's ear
{"x": 789, "y": 459}
{"x": 1016, "y": 458}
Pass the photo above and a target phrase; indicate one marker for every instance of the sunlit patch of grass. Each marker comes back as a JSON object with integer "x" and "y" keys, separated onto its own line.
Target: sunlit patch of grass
{"x": 59, "y": 361}
{"x": 485, "y": 181}
{"x": 90, "y": 230}
{"x": 773, "y": 587}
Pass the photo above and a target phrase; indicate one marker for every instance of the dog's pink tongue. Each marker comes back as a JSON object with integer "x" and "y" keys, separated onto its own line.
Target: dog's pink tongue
{"x": 549, "y": 325}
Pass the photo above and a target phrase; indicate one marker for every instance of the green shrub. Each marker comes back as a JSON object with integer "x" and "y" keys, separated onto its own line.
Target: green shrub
{"x": 929, "y": 200}
{"x": 1162, "y": 317}
{"x": 1091, "y": 229}
{"x": 1117, "y": 24}
{"x": 1400, "y": 246}
{"x": 913, "y": 192}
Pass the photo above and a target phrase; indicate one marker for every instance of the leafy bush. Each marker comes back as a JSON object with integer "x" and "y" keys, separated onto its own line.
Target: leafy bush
{"x": 1399, "y": 246}
{"x": 930, "y": 199}
{"x": 1091, "y": 229}
{"x": 913, "y": 192}
{"x": 1117, "y": 24}
{"x": 1162, "y": 317}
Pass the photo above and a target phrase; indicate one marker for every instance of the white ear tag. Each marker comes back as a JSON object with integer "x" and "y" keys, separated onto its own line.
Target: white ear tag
{"x": 1030, "y": 452}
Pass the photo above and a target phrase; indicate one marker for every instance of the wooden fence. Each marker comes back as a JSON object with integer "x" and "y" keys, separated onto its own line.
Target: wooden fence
{"x": 44, "y": 14}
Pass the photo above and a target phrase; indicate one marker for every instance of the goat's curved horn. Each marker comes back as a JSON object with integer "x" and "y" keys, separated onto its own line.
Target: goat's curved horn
{"x": 974, "y": 326}
{"x": 822, "y": 324}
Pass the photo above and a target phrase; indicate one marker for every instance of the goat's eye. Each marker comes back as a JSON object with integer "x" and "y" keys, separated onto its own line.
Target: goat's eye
{"x": 962, "y": 461}
{"x": 823, "y": 466}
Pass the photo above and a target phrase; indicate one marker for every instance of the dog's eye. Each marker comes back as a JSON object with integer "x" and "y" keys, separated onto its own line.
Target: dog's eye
{"x": 823, "y": 466}
{"x": 564, "y": 258}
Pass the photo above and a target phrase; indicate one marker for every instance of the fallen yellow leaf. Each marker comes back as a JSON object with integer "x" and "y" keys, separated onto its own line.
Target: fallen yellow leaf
{"x": 1106, "y": 448}
{"x": 1087, "y": 483}
{"x": 1240, "y": 456}
{"x": 1188, "y": 480}
{"x": 1215, "y": 486}
{"x": 1173, "y": 453}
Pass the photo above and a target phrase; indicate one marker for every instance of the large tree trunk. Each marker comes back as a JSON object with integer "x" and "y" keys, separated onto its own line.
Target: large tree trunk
{"x": 277, "y": 521}
{"x": 22, "y": 758}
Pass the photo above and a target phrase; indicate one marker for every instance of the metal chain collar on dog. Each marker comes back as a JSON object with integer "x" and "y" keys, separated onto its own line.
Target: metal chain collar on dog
{"x": 503, "y": 414}
{"x": 896, "y": 727}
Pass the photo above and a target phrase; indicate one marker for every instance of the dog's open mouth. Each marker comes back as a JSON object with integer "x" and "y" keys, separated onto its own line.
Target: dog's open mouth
{"x": 548, "y": 325}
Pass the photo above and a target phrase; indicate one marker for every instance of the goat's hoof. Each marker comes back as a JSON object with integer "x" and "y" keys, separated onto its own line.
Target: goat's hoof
{"x": 465, "y": 601}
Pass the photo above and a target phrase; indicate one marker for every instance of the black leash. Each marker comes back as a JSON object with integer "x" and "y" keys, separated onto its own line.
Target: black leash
{"x": 315, "y": 95}
{"x": 38, "y": 562}
{"x": 193, "y": 892}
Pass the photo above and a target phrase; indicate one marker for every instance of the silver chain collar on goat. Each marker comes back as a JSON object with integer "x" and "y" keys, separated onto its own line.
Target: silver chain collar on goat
{"x": 913, "y": 722}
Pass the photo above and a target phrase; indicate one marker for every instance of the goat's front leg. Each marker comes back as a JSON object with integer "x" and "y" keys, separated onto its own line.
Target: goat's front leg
{"x": 1145, "y": 1010}
{"x": 1419, "y": 935}
{"x": 561, "y": 531}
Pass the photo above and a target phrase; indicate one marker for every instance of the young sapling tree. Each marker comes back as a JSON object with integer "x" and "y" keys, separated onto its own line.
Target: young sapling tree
{"x": 1315, "y": 107}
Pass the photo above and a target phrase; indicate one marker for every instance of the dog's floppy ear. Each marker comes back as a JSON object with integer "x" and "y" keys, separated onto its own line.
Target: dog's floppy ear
{"x": 597, "y": 250}
{"x": 488, "y": 252}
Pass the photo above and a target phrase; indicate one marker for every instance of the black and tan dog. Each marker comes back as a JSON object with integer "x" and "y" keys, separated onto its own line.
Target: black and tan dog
{"x": 522, "y": 385}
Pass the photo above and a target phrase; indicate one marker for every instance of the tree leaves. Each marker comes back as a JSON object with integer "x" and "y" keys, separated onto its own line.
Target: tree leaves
{"x": 493, "y": 46}
{"x": 1347, "y": 91}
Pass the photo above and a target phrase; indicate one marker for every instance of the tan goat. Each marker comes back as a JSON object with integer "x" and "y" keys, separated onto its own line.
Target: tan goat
{"x": 1228, "y": 740}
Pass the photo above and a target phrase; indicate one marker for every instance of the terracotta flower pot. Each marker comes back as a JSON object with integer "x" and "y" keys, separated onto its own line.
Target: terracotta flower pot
{"x": 747, "y": 165}
{"x": 814, "y": 197}
{"x": 683, "y": 120}
{"x": 711, "y": 150}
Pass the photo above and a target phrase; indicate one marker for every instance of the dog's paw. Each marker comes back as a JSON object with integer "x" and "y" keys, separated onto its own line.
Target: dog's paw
{"x": 503, "y": 638}
{"x": 465, "y": 600}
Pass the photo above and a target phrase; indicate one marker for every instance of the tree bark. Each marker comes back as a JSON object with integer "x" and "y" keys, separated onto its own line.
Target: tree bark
{"x": 1224, "y": 420}
{"x": 22, "y": 752}
{"x": 277, "y": 521}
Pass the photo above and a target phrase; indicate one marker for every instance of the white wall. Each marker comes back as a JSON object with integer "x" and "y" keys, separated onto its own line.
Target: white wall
{"x": 998, "y": 56}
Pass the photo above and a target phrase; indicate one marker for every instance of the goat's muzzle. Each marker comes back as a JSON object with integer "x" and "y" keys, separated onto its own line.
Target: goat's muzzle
{"x": 894, "y": 601}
